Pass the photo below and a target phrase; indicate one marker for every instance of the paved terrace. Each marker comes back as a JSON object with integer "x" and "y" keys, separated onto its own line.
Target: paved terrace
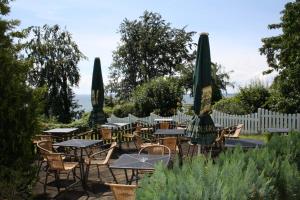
{"x": 97, "y": 189}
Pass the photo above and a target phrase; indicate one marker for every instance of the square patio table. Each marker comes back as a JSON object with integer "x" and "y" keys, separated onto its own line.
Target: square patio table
{"x": 61, "y": 132}
{"x": 283, "y": 131}
{"x": 114, "y": 125}
{"x": 79, "y": 144}
{"x": 169, "y": 132}
{"x": 137, "y": 162}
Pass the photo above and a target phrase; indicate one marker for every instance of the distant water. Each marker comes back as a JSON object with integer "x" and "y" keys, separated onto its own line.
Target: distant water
{"x": 85, "y": 100}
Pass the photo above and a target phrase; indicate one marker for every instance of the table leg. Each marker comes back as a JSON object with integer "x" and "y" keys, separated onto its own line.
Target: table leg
{"x": 113, "y": 175}
{"x": 137, "y": 177}
{"x": 126, "y": 175}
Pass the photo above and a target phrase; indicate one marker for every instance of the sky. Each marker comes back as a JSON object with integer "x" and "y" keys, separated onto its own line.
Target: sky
{"x": 235, "y": 29}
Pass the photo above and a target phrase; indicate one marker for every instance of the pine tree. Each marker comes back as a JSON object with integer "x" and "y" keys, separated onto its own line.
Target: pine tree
{"x": 17, "y": 116}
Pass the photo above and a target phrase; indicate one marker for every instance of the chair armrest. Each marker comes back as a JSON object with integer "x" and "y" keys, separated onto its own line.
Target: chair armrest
{"x": 100, "y": 152}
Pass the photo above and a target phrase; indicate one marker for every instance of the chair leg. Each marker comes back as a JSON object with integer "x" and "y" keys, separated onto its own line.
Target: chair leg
{"x": 57, "y": 180}
{"x": 98, "y": 171}
{"x": 87, "y": 172}
{"x": 46, "y": 179}
{"x": 74, "y": 174}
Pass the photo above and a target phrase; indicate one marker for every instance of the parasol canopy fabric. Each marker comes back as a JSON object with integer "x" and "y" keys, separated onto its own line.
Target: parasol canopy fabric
{"x": 97, "y": 96}
{"x": 201, "y": 128}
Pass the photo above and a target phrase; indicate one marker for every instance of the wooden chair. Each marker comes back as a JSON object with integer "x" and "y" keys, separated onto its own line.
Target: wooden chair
{"x": 233, "y": 132}
{"x": 58, "y": 166}
{"x": 164, "y": 125}
{"x": 123, "y": 192}
{"x": 98, "y": 160}
{"x": 107, "y": 135}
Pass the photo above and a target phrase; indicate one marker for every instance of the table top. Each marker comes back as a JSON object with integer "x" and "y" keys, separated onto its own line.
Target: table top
{"x": 136, "y": 161}
{"x": 61, "y": 130}
{"x": 244, "y": 143}
{"x": 169, "y": 132}
{"x": 164, "y": 120}
{"x": 218, "y": 125}
{"x": 114, "y": 125}
{"x": 278, "y": 130}
{"x": 78, "y": 143}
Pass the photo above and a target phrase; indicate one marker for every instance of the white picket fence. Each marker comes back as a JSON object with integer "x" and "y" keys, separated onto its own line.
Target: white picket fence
{"x": 253, "y": 123}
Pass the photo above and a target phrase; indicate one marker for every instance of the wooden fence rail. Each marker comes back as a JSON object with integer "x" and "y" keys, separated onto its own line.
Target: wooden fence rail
{"x": 253, "y": 123}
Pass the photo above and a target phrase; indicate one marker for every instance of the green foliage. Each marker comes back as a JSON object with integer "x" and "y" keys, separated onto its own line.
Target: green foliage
{"x": 149, "y": 48}
{"x": 253, "y": 96}
{"x": 248, "y": 100}
{"x": 50, "y": 123}
{"x": 122, "y": 110}
{"x": 231, "y": 105}
{"x": 283, "y": 55}
{"x": 55, "y": 56}
{"x": 163, "y": 95}
{"x": 271, "y": 172}
{"x": 17, "y": 116}
{"x": 220, "y": 80}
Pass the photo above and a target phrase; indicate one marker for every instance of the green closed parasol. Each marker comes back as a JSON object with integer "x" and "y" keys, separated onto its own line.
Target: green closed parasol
{"x": 201, "y": 128}
{"x": 97, "y": 116}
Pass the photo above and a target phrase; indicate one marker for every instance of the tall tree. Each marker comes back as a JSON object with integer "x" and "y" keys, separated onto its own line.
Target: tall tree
{"x": 220, "y": 80}
{"x": 55, "y": 56}
{"x": 149, "y": 48}
{"x": 17, "y": 115}
{"x": 283, "y": 55}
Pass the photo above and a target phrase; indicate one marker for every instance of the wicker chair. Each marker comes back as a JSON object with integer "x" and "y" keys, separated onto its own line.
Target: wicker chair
{"x": 156, "y": 149}
{"x": 43, "y": 148}
{"x": 164, "y": 125}
{"x": 234, "y": 132}
{"x": 170, "y": 142}
{"x": 58, "y": 166}
{"x": 123, "y": 192}
{"x": 141, "y": 142}
{"x": 39, "y": 138}
{"x": 107, "y": 135}
{"x": 96, "y": 159}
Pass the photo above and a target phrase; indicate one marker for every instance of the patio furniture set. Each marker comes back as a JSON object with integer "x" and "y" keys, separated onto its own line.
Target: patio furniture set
{"x": 159, "y": 147}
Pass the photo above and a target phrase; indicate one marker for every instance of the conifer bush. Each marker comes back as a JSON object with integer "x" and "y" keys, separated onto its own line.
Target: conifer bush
{"x": 271, "y": 172}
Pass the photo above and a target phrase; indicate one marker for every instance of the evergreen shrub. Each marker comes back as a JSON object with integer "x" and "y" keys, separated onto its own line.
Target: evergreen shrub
{"x": 271, "y": 172}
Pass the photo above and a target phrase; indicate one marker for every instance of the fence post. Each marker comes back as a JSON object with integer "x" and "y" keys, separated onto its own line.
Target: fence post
{"x": 259, "y": 120}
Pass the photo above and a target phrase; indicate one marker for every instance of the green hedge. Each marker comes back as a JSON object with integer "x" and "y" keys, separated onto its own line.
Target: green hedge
{"x": 271, "y": 172}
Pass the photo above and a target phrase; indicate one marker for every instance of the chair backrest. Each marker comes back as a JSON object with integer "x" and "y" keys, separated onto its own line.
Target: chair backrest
{"x": 44, "y": 147}
{"x": 170, "y": 142}
{"x": 38, "y": 138}
{"x": 110, "y": 152}
{"x": 138, "y": 127}
{"x": 164, "y": 125}
{"x": 156, "y": 149}
{"x": 236, "y": 131}
{"x": 138, "y": 141}
{"x": 106, "y": 133}
{"x": 123, "y": 192}
{"x": 55, "y": 161}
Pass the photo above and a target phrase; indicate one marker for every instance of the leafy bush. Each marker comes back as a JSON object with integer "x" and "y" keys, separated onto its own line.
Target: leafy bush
{"x": 51, "y": 123}
{"x": 248, "y": 100}
{"x": 253, "y": 97}
{"x": 231, "y": 105}
{"x": 122, "y": 110}
{"x": 271, "y": 172}
{"x": 164, "y": 95}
